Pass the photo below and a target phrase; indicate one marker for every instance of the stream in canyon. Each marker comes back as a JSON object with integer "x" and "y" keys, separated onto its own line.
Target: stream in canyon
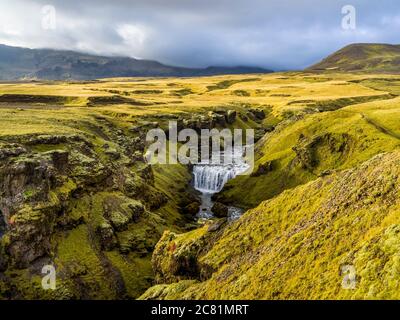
{"x": 210, "y": 178}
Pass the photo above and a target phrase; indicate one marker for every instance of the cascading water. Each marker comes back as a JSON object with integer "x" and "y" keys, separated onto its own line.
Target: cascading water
{"x": 210, "y": 178}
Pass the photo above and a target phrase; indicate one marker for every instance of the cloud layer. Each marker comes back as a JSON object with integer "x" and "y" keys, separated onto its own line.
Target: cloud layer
{"x": 278, "y": 34}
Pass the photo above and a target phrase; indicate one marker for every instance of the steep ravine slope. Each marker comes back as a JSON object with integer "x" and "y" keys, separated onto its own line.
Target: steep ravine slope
{"x": 76, "y": 193}
{"x": 303, "y": 148}
{"x": 295, "y": 245}
{"x": 88, "y": 204}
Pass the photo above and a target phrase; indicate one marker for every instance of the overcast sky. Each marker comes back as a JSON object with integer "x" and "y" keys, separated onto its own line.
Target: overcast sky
{"x": 277, "y": 34}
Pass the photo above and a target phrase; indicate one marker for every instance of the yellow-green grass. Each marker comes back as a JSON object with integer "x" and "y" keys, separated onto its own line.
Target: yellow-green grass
{"x": 295, "y": 245}
{"x": 371, "y": 128}
{"x": 283, "y": 92}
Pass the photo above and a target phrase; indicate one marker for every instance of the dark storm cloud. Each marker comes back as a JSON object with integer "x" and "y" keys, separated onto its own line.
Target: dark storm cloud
{"x": 277, "y": 34}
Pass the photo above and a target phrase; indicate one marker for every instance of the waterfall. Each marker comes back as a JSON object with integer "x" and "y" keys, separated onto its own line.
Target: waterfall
{"x": 211, "y": 178}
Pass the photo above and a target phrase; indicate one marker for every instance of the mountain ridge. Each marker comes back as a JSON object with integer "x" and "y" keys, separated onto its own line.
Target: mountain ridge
{"x": 18, "y": 63}
{"x": 362, "y": 57}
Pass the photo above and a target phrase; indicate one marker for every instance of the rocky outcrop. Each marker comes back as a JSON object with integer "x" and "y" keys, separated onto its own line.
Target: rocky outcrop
{"x": 62, "y": 191}
{"x": 177, "y": 256}
{"x": 217, "y": 118}
{"x": 220, "y": 210}
{"x": 28, "y": 207}
{"x": 256, "y": 114}
{"x": 230, "y": 116}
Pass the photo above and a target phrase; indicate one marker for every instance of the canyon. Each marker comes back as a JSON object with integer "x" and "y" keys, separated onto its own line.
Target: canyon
{"x": 76, "y": 191}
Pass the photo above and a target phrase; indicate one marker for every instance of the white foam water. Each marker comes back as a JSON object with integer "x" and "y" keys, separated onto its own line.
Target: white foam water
{"x": 210, "y": 178}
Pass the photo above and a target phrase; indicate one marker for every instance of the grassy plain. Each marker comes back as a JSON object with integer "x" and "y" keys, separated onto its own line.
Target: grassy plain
{"x": 321, "y": 129}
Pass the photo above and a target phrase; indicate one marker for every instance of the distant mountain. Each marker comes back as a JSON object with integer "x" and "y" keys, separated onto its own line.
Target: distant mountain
{"x": 232, "y": 70}
{"x": 362, "y": 57}
{"x": 22, "y": 63}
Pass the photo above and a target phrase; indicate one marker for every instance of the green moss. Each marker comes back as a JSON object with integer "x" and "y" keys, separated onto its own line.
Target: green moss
{"x": 337, "y": 140}
{"x": 118, "y": 219}
{"x": 28, "y": 214}
{"x": 80, "y": 262}
{"x": 136, "y": 272}
{"x": 29, "y": 193}
{"x": 228, "y": 83}
{"x": 48, "y": 147}
{"x": 66, "y": 189}
{"x": 182, "y": 92}
{"x": 167, "y": 292}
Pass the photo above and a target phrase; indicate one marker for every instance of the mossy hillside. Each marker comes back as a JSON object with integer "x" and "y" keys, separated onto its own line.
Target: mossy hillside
{"x": 300, "y": 151}
{"x": 131, "y": 242}
{"x": 80, "y": 255}
{"x": 362, "y": 58}
{"x": 77, "y": 260}
{"x": 135, "y": 271}
{"x": 390, "y": 85}
{"x": 295, "y": 245}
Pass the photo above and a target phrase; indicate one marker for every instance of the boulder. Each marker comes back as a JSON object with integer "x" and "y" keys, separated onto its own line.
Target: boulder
{"x": 230, "y": 116}
{"x": 220, "y": 210}
{"x": 175, "y": 257}
{"x": 191, "y": 209}
{"x": 259, "y": 114}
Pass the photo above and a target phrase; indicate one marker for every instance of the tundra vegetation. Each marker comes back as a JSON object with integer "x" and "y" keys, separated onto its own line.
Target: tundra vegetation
{"x": 76, "y": 192}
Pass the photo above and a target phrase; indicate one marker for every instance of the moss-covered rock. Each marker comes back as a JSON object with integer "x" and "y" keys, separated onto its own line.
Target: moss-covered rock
{"x": 191, "y": 209}
{"x": 220, "y": 210}
{"x": 176, "y": 256}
